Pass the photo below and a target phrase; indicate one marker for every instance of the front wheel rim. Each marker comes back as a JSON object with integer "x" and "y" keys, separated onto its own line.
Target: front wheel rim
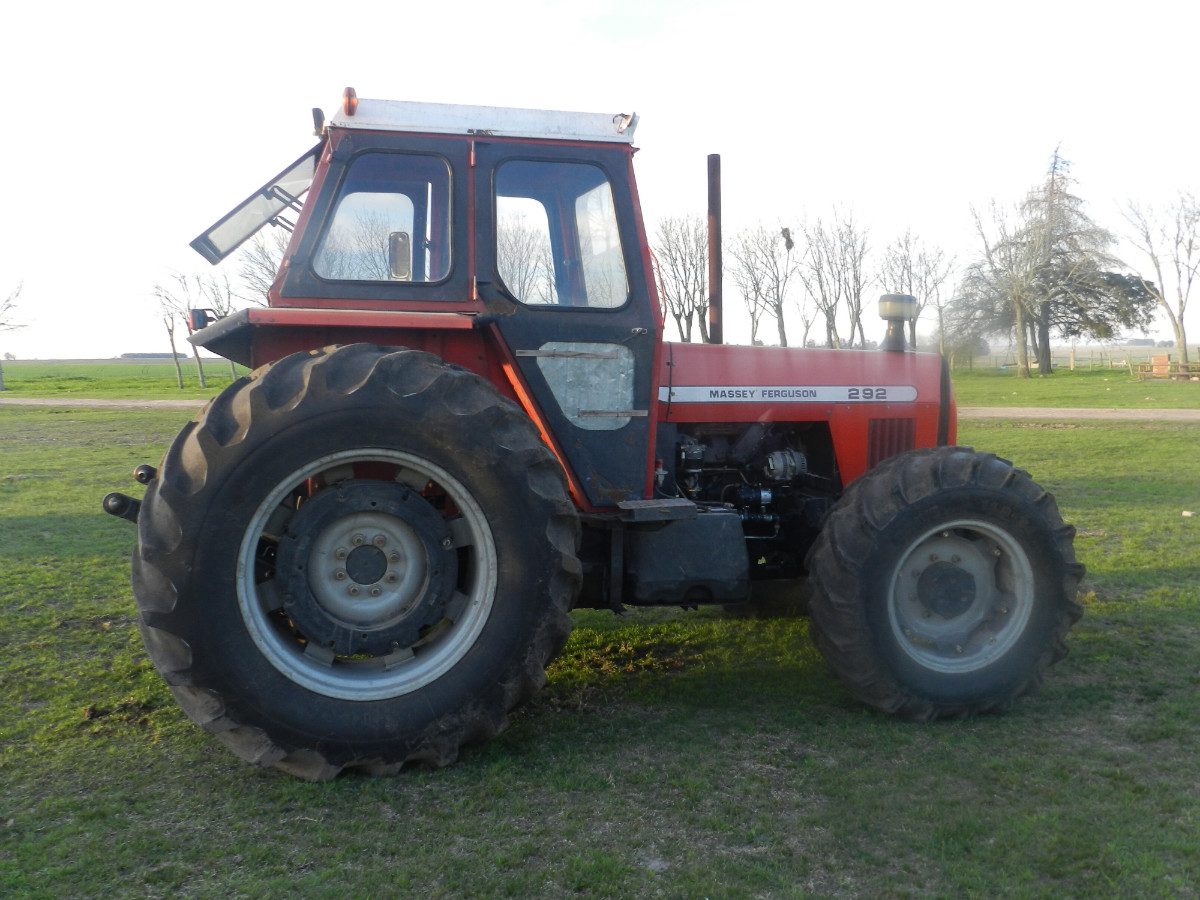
{"x": 960, "y": 596}
{"x": 365, "y": 677}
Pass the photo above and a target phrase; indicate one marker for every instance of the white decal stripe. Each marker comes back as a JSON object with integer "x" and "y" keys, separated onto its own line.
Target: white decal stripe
{"x": 789, "y": 393}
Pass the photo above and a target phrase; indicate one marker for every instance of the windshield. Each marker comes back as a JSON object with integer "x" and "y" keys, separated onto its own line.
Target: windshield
{"x": 264, "y": 205}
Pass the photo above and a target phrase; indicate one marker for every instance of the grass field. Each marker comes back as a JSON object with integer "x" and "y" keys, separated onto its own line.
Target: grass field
{"x": 114, "y": 379}
{"x": 673, "y": 754}
{"x": 1094, "y": 388}
{"x": 156, "y": 380}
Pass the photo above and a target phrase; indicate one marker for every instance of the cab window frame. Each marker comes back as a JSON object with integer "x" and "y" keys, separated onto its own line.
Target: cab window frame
{"x": 302, "y": 285}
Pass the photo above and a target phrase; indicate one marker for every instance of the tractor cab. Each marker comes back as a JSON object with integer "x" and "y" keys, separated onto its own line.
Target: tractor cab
{"x": 522, "y": 226}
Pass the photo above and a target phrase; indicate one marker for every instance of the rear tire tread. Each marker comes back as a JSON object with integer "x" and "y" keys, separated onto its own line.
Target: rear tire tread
{"x": 227, "y": 420}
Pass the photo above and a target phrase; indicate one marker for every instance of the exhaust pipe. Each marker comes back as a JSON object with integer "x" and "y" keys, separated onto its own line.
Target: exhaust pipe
{"x": 715, "y": 333}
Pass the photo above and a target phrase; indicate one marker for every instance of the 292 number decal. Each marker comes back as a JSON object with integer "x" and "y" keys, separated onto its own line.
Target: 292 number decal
{"x": 867, "y": 393}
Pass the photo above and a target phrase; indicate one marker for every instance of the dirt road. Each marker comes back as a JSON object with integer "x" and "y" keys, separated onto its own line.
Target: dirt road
{"x": 101, "y": 403}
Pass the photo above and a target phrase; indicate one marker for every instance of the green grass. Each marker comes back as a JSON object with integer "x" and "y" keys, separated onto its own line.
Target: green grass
{"x": 675, "y": 754}
{"x": 1094, "y": 388}
{"x": 114, "y": 380}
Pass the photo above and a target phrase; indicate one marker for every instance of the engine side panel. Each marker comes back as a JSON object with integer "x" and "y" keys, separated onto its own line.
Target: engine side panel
{"x": 874, "y": 402}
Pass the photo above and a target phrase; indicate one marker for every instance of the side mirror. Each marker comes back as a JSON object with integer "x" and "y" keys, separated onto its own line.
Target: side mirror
{"x": 400, "y": 256}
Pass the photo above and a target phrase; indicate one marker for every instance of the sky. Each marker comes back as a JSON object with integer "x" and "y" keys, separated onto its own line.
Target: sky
{"x": 134, "y": 126}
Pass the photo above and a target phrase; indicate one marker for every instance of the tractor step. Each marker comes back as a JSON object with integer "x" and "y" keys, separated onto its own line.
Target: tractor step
{"x": 663, "y": 510}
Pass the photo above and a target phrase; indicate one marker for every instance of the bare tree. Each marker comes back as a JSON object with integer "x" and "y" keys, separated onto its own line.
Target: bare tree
{"x": 851, "y": 243}
{"x": 911, "y": 267}
{"x": 259, "y": 264}
{"x": 187, "y": 294}
{"x": 525, "y": 259}
{"x": 8, "y": 321}
{"x": 1008, "y": 270}
{"x": 355, "y": 247}
{"x": 170, "y": 319}
{"x": 751, "y": 284}
{"x": 1170, "y": 239}
{"x": 763, "y": 269}
{"x": 218, "y": 293}
{"x": 681, "y": 270}
{"x": 819, "y": 272}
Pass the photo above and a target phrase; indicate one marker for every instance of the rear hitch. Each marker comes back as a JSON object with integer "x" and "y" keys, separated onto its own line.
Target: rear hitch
{"x": 122, "y": 506}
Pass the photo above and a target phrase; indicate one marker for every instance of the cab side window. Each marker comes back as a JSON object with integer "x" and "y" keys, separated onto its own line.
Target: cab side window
{"x": 557, "y": 241}
{"x": 391, "y": 221}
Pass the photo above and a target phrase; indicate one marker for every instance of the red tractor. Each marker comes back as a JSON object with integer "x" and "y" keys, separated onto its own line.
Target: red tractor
{"x": 463, "y": 421}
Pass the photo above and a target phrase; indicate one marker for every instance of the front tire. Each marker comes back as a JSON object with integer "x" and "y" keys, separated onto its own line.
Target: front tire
{"x": 943, "y": 584}
{"x": 356, "y": 558}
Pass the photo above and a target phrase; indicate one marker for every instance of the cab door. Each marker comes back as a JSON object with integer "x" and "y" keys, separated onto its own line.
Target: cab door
{"x": 559, "y": 264}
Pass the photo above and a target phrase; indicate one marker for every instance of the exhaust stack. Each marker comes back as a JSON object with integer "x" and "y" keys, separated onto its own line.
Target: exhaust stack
{"x": 715, "y": 334}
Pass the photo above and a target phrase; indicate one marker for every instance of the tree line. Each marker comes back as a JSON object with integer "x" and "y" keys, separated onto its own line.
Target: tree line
{"x": 1043, "y": 268}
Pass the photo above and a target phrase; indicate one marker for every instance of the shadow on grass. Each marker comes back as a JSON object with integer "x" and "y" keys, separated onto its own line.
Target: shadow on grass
{"x": 64, "y": 536}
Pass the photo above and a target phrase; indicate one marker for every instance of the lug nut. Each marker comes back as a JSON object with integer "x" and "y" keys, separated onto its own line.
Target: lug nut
{"x": 353, "y": 590}
{"x": 392, "y": 578}
{"x": 447, "y": 543}
{"x": 358, "y": 540}
{"x": 958, "y": 648}
{"x": 375, "y": 592}
{"x": 394, "y": 556}
{"x": 340, "y": 553}
{"x": 379, "y": 540}
{"x": 340, "y": 574}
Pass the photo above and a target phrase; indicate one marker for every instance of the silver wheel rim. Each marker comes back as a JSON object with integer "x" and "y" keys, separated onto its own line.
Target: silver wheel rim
{"x": 406, "y": 669}
{"x": 961, "y": 596}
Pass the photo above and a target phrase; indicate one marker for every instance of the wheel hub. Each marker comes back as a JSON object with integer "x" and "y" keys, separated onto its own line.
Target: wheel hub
{"x": 960, "y": 596}
{"x": 946, "y": 590}
{"x": 365, "y": 567}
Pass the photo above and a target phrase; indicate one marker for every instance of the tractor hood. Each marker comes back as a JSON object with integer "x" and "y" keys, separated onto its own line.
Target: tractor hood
{"x": 866, "y": 397}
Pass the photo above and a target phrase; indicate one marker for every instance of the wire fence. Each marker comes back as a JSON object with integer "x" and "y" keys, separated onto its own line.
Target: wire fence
{"x": 1084, "y": 358}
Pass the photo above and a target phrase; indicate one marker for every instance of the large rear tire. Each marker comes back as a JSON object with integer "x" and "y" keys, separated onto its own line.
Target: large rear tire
{"x": 356, "y": 558}
{"x": 943, "y": 584}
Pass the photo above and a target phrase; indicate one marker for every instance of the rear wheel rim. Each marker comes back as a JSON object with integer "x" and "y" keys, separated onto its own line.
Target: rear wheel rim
{"x": 367, "y": 677}
{"x": 960, "y": 596}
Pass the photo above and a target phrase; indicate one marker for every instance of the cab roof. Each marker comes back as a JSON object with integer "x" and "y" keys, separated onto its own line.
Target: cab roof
{"x": 449, "y": 118}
